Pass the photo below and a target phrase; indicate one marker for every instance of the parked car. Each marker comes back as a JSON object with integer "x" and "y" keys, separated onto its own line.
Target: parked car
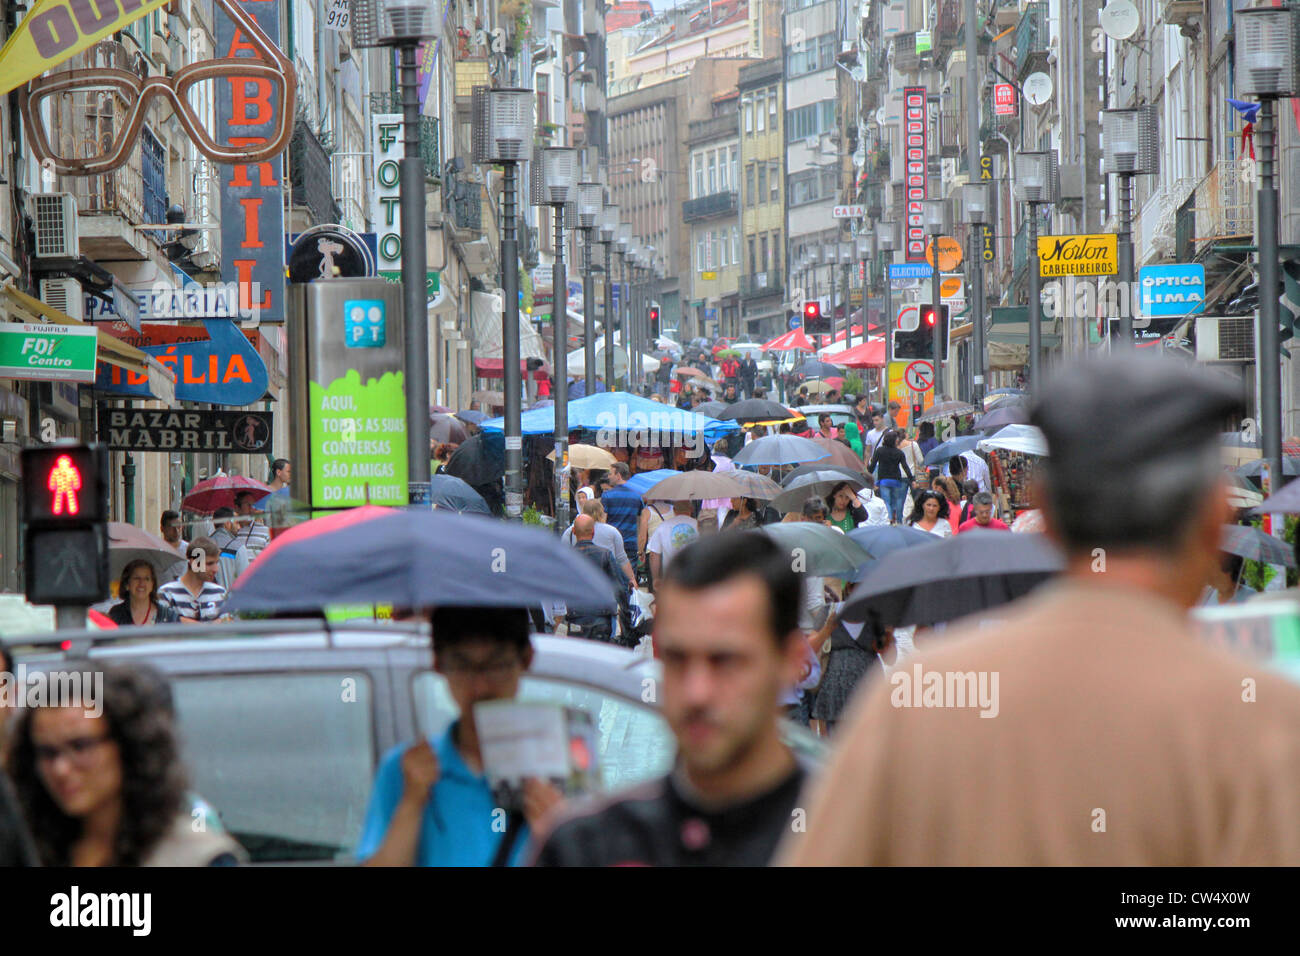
{"x": 840, "y": 414}
{"x": 284, "y": 722}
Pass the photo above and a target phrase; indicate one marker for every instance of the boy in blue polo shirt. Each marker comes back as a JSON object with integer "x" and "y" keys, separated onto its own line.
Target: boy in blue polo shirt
{"x": 431, "y": 804}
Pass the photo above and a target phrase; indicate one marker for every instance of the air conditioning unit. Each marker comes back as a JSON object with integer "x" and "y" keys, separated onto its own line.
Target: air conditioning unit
{"x": 56, "y": 226}
{"x": 813, "y": 142}
{"x": 477, "y": 256}
{"x": 1226, "y": 338}
{"x": 66, "y": 296}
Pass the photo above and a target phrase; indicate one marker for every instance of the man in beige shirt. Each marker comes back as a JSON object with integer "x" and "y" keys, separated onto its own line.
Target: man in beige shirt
{"x": 1088, "y": 726}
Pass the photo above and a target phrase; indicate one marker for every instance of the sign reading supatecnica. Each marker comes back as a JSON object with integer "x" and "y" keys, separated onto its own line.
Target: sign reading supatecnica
{"x": 358, "y": 441}
{"x": 65, "y": 353}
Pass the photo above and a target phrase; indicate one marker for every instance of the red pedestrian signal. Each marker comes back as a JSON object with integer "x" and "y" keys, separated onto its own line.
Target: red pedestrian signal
{"x": 927, "y": 317}
{"x": 65, "y": 515}
{"x": 64, "y": 483}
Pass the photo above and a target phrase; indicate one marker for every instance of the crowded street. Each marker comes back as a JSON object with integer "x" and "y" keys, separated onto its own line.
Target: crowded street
{"x": 720, "y": 433}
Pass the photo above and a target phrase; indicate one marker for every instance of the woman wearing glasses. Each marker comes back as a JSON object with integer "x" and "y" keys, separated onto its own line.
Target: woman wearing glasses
{"x": 138, "y": 589}
{"x": 101, "y": 783}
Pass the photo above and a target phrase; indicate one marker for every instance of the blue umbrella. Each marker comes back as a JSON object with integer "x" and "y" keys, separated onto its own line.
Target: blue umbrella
{"x": 417, "y": 559}
{"x": 952, "y": 448}
{"x": 879, "y": 540}
{"x": 473, "y": 416}
{"x": 644, "y": 481}
{"x": 450, "y": 492}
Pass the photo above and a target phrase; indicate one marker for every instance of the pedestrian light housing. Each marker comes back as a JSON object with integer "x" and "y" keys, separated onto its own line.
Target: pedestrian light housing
{"x": 935, "y": 214}
{"x": 886, "y": 233}
{"x": 392, "y": 22}
{"x": 1266, "y": 49}
{"x": 608, "y": 223}
{"x": 864, "y": 247}
{"x": 502, "y": 124}
{"x": 591, "y": 200}
{"x": 64, "y": 513}
{"x": 1037, "y": 177}
{"x": 975, "y": 198}
{"x": 559, "y": 175}
{"x": 846, "y": 253}
{"x": 1131, "y": 140}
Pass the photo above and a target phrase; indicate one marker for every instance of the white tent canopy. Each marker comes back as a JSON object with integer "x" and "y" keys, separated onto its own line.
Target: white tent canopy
{"x": 485, "y": 325}
{"x": 577, "y": 364}
{"x": 1025, "y": 439}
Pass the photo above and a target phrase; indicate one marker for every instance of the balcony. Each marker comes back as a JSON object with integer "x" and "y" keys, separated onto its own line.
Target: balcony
{"x": 310, "y": 174}
{"x": 717, "y": 127}
{"x": 761, "y": 284}
{"x": 947, "y": 28}
{"x": 708, "y": 207}
{"x": 906, "y": 59}
{"x": 991, "y": 123}
{"x": 1225, "y": 205}
{"x": 1031, "y": 40}
{"x": 463, "y": 203}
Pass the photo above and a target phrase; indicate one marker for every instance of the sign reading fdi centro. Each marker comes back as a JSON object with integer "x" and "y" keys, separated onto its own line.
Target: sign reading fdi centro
{"x": 48, "y": 352}
{"x": 1096, "y": 255}
{"x": 139, "y": 429}
{"x": 916, "y": 170}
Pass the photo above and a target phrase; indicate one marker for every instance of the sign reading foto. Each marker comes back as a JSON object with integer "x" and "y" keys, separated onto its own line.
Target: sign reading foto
{"x": 141, "y": 429}
{"x": 1096, "y": 255}
{"x": 386, "y": 198}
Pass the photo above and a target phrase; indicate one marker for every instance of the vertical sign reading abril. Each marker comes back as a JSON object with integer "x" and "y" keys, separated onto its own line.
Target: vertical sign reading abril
{"x": 252, "y": 209}
{"x": 916, "y": 157}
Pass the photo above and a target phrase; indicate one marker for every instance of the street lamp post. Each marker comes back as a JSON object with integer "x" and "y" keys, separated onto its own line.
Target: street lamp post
{"x": 938, "y": 223}
{"x": 1037, "y": 183}
{"x": 608, "y": 226}
{"x": 846, "y": 260}
{"x": 506, "y": 116}
{"x": 1268, "y": 68}
{"x": 559, "y": 185}
{"x": 885, "y": 233}
{"x": 591, "y": 200}
{"x": 1131, "y": 148}
{"x": 405, "y": 24}
{"x": 863, "y": 244}
{"x": 623, "y": 243}
{"x": 976, "y": 196}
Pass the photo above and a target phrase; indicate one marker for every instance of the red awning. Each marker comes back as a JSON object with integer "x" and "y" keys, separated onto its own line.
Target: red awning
{"x": 870, "y": 354}
{"x": 792, "y": 341}
{"x": 492, "y": 368}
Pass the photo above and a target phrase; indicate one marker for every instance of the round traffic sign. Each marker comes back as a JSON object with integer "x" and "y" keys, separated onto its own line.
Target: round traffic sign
{"x": 919, "y": 376}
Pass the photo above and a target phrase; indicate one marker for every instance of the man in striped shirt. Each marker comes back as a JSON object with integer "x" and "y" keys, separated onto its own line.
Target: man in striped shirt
{"x": 254, "y": 534}
{"x": 196, "y": 596}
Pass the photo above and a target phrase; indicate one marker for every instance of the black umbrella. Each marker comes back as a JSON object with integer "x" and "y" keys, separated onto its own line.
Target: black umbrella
{"x": 710, "y": 409}
{"x": 1253, "y": 544}
{"x": 417, "y": 559}
{"x": 813, "y": 368}
{"x": 446, "y": 428}
{"x": 757, "y": 410}
{"x": 448, "y": 491}
{"x": 961, "y": 575}
{"x": 479, "y": 460}
{"x": 1002, "y": 417}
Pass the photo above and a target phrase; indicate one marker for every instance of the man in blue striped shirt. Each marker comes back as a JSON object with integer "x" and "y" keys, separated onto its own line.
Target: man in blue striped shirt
{"x": 623, "y": 507}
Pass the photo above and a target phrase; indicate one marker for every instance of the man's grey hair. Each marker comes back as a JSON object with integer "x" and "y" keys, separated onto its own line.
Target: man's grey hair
{"x": 983, "y": 498}
{"x": 814, "y": 508}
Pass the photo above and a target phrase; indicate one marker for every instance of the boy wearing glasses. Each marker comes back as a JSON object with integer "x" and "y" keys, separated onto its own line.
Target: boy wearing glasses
{"x": 431, "y": 804}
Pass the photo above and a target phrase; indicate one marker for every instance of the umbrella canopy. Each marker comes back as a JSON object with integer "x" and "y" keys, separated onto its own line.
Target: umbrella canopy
{"x": 754, "y": 410}
{"x": 620, "y": 412}
{"x": 1254, "y": 545}
{"x": 477, "y": 461}
{"x": 711, "y": 409}
{"x": 1025, "y": 439}
{"x": 753, "y": 485}
{"x": 814, "y": 483}
{"x": 840, "y": 454}
{"x": 127, "y": 543}
{"x": 1254, "y": 469}
{"x": 488, "y": 397}
{"x": 951, "y": 449}
{"x": 780, "y": 450}
{"x": 880, "y": 540}
{"x": 1005, "y": 391}
{"x": 1286, "y": 501}
{"x": 1242, "y": 494}
{"x": 685, "y": 371}
{"x": 416, "y": 559}
{"x": 967, "y": 573}
{"x": 817, "y": 549}
{"x": 813, "y": 368}
{"x": 219, "y": 492}
{"x": 446, "y": 428}
{"x": 792, "y": 341}
{"x": 587, "y": 456}
{"x": 472, "y": 415}
{"x": 820, "y": 468}
{"x": 945, "y": 410}
{"x": 643, "y": 481}
{"x": 699, "y": 486}
{"x": 819, "y": 385}
{"x": 448, "y": 491}
{"x": 1029, "y": 521}
{"x": 1002, "y": 417}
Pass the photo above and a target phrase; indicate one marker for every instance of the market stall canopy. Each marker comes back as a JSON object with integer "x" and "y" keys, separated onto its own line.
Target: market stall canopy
{"x": 792, "y": 341}
{"x": 868, "y": 354}
{"x": 162, "y": 385}
{"x": 485, "y": 328}
{"x": 577, "y": 361}
{"x": 621, "y": 412}
{"x": 1025, "y": 439}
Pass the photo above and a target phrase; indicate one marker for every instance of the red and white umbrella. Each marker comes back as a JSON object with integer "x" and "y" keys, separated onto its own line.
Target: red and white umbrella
{"x": 219, "y": 492}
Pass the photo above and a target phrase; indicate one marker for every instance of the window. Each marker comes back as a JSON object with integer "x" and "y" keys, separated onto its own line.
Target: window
{"x": 750, "y": 191}
{"x": 713, "y": 172}
{"x": 812, "y": 185}
{"x": 735, "y": 167}
{"x": 775, "y": 194}
{"x": 735, "y": 245}
{"x": 762, "y": 181}
{"x": 771, "y": 108}
{"x": 697, "y": 161}
{"x": 699, "y": 254}
{"x": 760, "y": 107}
{"x": 811, "y": 120}
{"x": 762, "y": 245}
{"x": 313, "y": 775}
{"x": 752, "y": 261}
{"x": 776, "y": 251}
{"x": 749, "y": 115}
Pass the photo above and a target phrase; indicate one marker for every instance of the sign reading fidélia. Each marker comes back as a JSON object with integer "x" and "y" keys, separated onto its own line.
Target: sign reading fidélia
{"x": 65, "y": 353}
{"x": 1096, "y": 255}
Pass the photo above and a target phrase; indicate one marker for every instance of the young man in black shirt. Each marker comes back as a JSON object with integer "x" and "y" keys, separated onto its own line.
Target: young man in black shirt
{"x": 726, "y": 630}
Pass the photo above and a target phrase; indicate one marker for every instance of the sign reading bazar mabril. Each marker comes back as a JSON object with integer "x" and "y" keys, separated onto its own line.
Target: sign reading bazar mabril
{"x": 142, "y": 429}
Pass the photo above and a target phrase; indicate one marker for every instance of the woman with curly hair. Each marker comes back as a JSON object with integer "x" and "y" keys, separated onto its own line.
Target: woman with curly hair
{"x": 101, "y": 782}
{"x": 138, "y": 589}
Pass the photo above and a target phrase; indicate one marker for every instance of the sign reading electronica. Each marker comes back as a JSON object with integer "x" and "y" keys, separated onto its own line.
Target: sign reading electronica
{"x": 916, "y": 170}
{"x": 1096, "y": 255}
{"x": 248, "y": 111}
{"x": 140, "y": 429}
{"x": 64, "y": 353}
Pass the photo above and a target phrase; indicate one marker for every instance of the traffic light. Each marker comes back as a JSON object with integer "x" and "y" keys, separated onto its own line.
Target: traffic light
{"x": 654, "y": 322}
{"x": 65, "y": 517}
{"x": 919, "y": 342}
{"x": 814, "y": 323}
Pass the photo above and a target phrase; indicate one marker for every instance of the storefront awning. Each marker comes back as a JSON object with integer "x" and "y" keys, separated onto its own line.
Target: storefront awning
{"x": 111, "y": 350}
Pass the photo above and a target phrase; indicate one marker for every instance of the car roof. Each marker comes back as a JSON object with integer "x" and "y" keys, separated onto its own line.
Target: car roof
{"x": 818, "y": 409}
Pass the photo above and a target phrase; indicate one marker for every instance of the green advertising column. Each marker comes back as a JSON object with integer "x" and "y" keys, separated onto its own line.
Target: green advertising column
{"x": 349, "y": 397}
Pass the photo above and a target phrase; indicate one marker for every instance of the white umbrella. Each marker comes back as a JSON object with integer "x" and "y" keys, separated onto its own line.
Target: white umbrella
{"x": 1025, "y": 439}
{"x": 577, "y": 363}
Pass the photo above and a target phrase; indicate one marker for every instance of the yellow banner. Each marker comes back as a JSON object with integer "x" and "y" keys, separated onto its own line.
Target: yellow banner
{"x": 55, "y": 30}
{"x": 1078, "y": 255}
{"x": 901, "y": 391}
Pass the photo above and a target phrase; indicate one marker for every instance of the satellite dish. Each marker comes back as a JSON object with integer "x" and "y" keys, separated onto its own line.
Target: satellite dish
{"x": 880, "y": 116}
{"x": 1119, "y": 19}
{"x": 1037, "y": 88}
